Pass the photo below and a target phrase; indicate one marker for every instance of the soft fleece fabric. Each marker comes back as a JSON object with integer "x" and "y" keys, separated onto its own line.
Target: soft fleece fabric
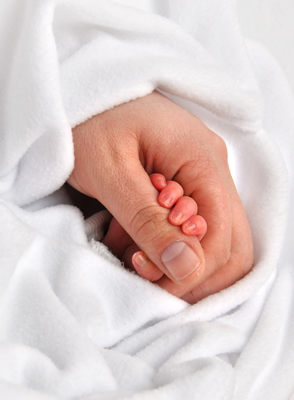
{"x": 74, "y": 324}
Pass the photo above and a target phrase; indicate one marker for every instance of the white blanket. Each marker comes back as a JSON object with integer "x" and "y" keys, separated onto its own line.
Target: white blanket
{"x": 74, "y": 324}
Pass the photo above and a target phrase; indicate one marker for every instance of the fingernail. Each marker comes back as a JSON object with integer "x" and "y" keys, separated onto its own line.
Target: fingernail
{"x": 167, "y": 199}
{"x": 161, "y": 182}
{"x": 140, "y": 259}
{"x": 177, "y": 216}
{"x": 190, "y": 227}
{"x": 180, "y": 260}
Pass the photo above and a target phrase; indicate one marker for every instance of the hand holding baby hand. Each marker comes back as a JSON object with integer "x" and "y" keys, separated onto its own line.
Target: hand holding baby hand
{"x": 114, "y": 154}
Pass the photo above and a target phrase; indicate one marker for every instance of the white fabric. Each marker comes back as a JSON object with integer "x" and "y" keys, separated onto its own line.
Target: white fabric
{"x": 74, "y": 324}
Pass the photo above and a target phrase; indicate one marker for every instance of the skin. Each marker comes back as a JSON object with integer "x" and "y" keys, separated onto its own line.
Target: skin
{"x": 184, "y": 208}
{"x": 122, "y": 245}
{"x": 190, "y": 223}
{"x": 116, "y": 151}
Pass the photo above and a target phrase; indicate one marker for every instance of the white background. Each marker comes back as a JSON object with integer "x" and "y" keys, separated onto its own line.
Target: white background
{"x": 271, "y": 22}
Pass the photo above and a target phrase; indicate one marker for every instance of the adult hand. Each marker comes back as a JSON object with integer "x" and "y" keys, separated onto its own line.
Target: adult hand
{"x": 116, "y": 151}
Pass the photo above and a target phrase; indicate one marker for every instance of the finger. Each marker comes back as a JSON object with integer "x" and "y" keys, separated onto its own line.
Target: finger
{"x": 170, "y": 194}
{"x": 137, "y": 260}
{"x": 184, "y": 208}
{"x": 145, "y": 267}
{"x": 158, "y": 181}
{"x": 196, "y": 226}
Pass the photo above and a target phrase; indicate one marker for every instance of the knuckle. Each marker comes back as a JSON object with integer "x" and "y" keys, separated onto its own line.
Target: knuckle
{"x": 178, "y": 188}
{"x": 223, "y": 257}
{"x": 246, "y": 263}
{"x": 220, "y": 145}
{"x": 222, "y": 148}
{"x": 204, "y": 289}
{"x": 145, "y": 220}
{"x": 199, "y": 292}
{"x": 218, "y": 258}
{"x": 243, "y": 261}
